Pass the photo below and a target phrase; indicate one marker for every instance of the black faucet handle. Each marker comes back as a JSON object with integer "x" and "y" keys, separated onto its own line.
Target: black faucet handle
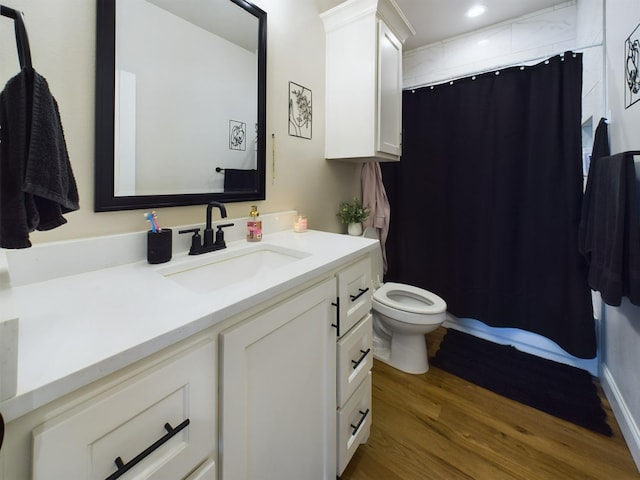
{"x": 195, "y": 231}
{"x": 220, "y": 233}
{"x": 196, "y": 243}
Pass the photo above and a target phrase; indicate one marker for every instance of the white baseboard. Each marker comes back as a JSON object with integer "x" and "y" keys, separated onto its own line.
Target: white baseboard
{"x": 627, "y": 423}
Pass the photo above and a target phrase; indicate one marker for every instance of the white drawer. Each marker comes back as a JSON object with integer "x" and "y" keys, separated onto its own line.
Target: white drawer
{"x": 355, "y": 358}
{"x": 123, "y": 422}
{"x": 206, "y": 471}
{"x": 354, "y": 423}
{"x": 354, "y": 292}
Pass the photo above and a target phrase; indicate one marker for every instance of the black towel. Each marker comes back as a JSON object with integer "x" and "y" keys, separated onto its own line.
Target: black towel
{"x": 36, "y": 181}
{"x": 600, "y": 149}
{"x": 611, "y": 241}
{"x": 236, "y": 180}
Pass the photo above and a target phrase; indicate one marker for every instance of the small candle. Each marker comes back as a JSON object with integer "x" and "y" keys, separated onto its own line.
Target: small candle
{"x": 300, "y": 225}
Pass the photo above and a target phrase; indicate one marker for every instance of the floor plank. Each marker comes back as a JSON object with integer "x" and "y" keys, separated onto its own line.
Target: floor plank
{"x": 441, "y": 427}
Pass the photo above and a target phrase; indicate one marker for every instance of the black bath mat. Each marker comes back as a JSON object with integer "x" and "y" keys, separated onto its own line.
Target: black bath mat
{"x": 555, "y": 388}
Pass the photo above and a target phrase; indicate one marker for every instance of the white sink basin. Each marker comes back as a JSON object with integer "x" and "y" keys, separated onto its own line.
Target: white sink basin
{"x": 215, "y": 270}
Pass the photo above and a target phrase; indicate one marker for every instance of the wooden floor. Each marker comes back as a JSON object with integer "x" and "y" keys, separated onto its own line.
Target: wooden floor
{"x": 438, "y": 426}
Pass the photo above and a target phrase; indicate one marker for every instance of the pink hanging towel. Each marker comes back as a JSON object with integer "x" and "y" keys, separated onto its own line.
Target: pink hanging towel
{"x": 374, "y": 197}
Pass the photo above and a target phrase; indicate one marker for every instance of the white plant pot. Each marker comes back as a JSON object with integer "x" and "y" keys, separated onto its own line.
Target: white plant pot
{"x": 355, "y": 229}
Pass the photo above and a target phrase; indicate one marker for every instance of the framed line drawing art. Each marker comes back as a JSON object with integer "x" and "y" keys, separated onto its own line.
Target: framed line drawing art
{"x": 300, "y": 111}
{"x": 632, "y": 66}
{"x": 237, "y": 135}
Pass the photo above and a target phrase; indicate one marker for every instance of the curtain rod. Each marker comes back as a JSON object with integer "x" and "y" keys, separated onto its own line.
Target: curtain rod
{"x": 502, "y": 67}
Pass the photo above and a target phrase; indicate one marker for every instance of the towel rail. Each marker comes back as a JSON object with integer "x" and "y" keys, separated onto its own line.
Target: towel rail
{"x": 8, "y": 12}
{"x": 22, "y": 40}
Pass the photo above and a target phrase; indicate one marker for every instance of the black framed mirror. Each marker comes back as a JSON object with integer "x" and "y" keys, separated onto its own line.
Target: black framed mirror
{"x": 180, "y": 103}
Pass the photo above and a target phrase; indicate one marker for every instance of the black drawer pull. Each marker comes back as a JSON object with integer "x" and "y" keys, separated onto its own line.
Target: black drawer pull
{"x": 1, "y": 430}
{"x": 125, "y": 467}
{"x": 362, "y": 292}
{"x": 362, "y": 357}
{"x": 337, "y": 324}
{"x": 356, "y": 427}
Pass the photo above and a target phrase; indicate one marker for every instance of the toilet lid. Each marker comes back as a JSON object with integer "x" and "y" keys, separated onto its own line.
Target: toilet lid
{"x": 408, "y": 298}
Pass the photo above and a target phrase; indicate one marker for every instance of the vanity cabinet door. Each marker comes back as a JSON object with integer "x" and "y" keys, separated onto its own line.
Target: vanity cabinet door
{"x": 278, "y": 391}
{"x": 354, "y": 294}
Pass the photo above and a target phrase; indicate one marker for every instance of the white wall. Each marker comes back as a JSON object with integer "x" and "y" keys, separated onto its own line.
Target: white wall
{"x": 621, "y": 326}
{"x": 62, "y": 37}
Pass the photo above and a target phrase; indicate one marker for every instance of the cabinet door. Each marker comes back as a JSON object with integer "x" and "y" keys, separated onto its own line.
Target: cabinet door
{"x": 354, "y": 293}
{"x": 389, "y": 91}
{"x": 278, "y": 394}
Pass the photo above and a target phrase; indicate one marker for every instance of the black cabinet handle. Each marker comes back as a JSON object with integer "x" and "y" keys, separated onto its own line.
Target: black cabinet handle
{"x": 362, "y": 292}
{"x": 1, "y": 430}
{"x": 362, "y": 357}
{"x": 356, "y": 427}
{"x": 125, "y": 467}
{"x": 337, "y": 324}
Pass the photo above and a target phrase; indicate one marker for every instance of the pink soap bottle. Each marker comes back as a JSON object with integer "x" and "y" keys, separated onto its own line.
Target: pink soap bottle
{"x": 254, "y": 226}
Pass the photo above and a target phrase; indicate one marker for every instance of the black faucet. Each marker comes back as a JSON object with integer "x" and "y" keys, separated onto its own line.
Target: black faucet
{"x": 208, "y": 231}
{"x": 208, "y": 244}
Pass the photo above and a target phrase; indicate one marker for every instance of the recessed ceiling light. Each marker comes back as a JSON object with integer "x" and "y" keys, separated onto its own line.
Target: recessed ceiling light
{"x": 483, "y": 42}
{"x": 476, "y": 11}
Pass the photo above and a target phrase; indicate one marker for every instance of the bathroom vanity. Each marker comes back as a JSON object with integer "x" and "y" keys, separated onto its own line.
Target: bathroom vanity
{"x": 131, "y": 370}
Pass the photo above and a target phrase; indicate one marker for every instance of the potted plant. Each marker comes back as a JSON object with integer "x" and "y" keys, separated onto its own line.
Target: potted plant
{"x": 353, "y": 214}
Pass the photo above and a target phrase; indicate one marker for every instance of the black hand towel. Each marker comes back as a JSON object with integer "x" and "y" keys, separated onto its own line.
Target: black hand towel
{"x": 236, "y": 180}
{"x": 600, "y": 149}
{"x": 612, "y": 242}
{"x": 36, "y": 181}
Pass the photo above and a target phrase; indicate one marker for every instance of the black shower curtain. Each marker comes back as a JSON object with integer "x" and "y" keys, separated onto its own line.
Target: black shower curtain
{"x": 486, "y": 200}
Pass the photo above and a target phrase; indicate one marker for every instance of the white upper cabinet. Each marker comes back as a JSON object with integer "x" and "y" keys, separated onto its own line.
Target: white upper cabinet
{"x": 364, "y": 80}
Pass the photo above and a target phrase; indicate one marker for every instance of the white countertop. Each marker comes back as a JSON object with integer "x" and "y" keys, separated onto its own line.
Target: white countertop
{"x": 78, "y": 328}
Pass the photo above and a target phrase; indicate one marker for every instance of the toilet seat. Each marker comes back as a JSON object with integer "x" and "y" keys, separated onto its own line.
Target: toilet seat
{"x": 424, "y": 302}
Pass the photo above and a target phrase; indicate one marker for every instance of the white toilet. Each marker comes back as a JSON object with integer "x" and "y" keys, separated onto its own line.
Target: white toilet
{"x": 402, "y": 315}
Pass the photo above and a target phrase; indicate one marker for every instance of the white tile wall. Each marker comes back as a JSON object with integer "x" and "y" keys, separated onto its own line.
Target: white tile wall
{"x": 523, "y": 40}
{"x": 520, "y": 40}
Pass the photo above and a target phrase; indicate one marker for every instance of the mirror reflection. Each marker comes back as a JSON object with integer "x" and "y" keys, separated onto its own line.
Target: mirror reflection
{"x": 188, "y": 83}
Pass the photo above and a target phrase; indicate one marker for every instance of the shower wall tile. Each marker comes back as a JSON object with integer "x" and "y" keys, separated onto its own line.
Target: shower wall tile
{"x": 552, "y": 27}
{"x": 520, "y": 40}
{"x": 590, "y": 26}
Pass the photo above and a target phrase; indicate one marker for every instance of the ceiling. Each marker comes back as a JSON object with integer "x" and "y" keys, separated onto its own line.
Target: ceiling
{"x": 436, "y": 20}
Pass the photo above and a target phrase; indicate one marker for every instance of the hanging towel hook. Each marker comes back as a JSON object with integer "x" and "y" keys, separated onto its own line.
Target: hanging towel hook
{"x": 22, "y": 40}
